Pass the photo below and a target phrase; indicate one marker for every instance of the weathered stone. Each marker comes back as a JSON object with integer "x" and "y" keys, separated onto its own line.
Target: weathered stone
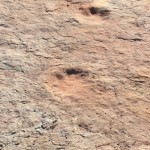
{"x": 75, "y": 75}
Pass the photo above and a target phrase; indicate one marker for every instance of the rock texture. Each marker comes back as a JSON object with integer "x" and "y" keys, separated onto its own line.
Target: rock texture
{"x": 75, "y": 75}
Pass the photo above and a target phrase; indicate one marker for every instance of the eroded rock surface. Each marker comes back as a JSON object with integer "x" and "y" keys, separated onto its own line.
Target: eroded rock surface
{"x": 75, "y": 75}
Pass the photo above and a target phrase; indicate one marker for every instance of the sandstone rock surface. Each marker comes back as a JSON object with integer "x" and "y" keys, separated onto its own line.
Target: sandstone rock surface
{"x": 75, "y": 75}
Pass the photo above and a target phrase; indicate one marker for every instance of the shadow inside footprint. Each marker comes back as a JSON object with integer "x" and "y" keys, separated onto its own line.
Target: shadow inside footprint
{"x": 102, "y": 11}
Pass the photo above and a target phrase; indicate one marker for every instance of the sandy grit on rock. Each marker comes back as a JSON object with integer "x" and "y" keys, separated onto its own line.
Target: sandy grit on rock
{"x": 74, "y": 75}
